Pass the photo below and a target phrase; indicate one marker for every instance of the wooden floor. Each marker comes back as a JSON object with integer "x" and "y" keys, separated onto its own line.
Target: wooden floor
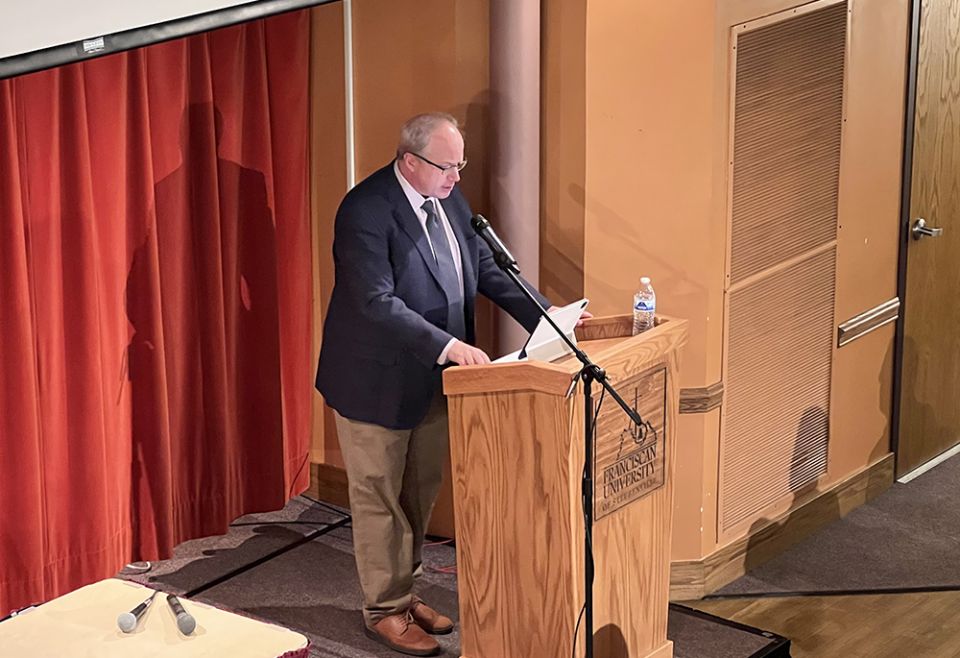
{"x": 915, "y": 625}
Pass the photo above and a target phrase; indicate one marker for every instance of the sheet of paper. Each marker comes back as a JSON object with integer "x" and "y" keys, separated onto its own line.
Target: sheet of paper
{"x": 508, "y": 358}
{"x": 565, "y": 318}
{"x": 544, "y": 340}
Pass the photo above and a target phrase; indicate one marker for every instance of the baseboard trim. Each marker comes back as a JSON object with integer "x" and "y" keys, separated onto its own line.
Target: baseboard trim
{"x": 694, "y": 579}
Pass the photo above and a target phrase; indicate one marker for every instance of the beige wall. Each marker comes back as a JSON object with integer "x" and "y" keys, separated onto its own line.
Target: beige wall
{"x": 869, "y": 229}
{"x": 409, "y": 56}
{"x": 328, "y": 178}
{"x": 635, "y": 135}
{"x": 649, "y": 203}
{"x": 867, "y": 236}
{"x": 649, "y": 196}
{"x": 637, "y": 195}
{"x": 416, "y": 56}
{"x": 563, "y": 130}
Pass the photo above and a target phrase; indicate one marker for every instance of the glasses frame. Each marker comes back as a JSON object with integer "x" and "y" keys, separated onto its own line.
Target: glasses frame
{"x": 445, "y": 170}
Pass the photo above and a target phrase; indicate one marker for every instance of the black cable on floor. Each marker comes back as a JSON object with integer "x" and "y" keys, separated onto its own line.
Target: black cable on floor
{"x": 930, "y": 589}
{"x": 327, "y": 506}
{"x": 309, "y": 523}
{"x": 266, "y": 558}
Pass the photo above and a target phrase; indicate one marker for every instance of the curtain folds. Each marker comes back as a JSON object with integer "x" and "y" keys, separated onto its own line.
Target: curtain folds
{"x": 154, "y": 301}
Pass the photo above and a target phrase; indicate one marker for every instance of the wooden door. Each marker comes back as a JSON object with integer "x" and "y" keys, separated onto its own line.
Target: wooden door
{"x": 930, "y": 375}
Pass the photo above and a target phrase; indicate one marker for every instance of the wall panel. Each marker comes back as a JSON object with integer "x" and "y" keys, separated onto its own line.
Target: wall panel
{"x": 642, "y": 186}
{"x": 328, "y": 180}
{"x": 409, "y": 56}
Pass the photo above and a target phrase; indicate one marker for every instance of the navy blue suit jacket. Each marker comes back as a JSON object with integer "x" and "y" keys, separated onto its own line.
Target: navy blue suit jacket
{"x": 385, "y": 326}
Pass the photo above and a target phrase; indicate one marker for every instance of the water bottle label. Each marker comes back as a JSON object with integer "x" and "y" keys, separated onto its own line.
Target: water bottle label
{"x": 644, "y": 305}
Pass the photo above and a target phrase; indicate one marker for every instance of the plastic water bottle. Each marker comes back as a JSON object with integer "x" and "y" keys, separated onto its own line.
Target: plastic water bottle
{"x": 644, "y": 306}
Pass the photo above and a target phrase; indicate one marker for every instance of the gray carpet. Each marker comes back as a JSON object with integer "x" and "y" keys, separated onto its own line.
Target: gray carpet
{"x": 906, "y": 538}
{"x": 313, "y": 589}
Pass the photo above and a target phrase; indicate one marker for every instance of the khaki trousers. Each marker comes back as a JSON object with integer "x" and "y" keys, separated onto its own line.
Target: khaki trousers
{"x": 394, "y": 477}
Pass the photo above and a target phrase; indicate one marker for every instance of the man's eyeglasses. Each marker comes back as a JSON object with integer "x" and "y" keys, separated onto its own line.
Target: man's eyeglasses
{"x": 446, "y": 169}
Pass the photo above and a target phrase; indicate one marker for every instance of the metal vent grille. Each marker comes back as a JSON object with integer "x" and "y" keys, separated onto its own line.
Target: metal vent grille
{"x": 787, "y": 117}
{"x": 777, "y": 407}
{"x": 788, "y": 111}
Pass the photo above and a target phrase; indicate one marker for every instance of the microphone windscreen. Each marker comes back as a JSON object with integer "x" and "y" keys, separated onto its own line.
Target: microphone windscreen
{"x": 186, "y": 623}
{"x": 127, "y": 622}
{"x": 479, "y": 222}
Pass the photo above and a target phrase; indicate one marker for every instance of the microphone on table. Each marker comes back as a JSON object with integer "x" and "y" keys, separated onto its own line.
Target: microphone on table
{"x": 501, "y": 255}
{"x": 128, "y": 621}
{"x": 185, "y": 621}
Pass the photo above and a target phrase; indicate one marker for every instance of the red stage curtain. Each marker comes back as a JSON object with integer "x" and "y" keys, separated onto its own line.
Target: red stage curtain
{"x": 154, "y": 301}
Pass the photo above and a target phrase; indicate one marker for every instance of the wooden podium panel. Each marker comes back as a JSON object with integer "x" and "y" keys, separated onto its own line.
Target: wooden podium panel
{"x": 517, "y": 450}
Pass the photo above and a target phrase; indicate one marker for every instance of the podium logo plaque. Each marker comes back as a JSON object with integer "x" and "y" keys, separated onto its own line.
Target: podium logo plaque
{"x": 629, "y": 458}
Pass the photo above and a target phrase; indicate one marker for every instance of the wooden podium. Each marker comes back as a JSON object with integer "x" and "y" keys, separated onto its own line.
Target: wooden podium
{"x": 517, "y": 446}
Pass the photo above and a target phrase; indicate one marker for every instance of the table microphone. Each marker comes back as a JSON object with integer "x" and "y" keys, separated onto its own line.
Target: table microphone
{"x": 128, "y": 621}
{"x": 185, "y": 621}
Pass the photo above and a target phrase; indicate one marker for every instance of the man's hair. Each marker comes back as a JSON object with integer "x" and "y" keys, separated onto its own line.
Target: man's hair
{"x": 416, "y": 132}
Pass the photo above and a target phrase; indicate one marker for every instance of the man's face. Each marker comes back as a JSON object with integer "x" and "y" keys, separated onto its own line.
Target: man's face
{"x": 445, "y": 148}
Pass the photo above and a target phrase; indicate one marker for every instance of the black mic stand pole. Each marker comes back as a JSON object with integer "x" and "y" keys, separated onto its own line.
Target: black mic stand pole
{"x": 590, "y": 373}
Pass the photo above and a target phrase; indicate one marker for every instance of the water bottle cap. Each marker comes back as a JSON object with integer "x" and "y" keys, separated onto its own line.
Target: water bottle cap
{"x": 645, "y": 280}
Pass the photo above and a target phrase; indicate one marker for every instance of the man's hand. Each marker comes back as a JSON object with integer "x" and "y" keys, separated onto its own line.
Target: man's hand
{"x": 467, "y": 355}
{"x": 586, "y": 315}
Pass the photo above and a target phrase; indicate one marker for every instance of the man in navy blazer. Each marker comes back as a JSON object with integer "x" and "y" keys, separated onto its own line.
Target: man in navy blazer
{"x": 408, "y": 269}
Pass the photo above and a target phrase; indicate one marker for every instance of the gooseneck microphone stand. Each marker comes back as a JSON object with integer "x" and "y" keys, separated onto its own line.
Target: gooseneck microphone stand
{"x": 590, "y": 373}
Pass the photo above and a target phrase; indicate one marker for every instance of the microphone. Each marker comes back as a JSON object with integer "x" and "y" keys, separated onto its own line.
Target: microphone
{"x": 185, "y": 621}
{"x": 501, "y": 255}
{"x": 128, "y": 621}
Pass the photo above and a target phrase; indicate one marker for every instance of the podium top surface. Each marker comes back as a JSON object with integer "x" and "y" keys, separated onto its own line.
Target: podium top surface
{"x": 605, "y": 340}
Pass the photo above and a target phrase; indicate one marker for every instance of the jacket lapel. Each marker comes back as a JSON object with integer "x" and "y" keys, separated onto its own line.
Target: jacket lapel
{"x": 458, "y": 223}
{"x": 408, "y": 221}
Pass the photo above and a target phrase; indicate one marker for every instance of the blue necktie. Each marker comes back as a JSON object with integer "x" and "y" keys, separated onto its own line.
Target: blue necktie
{"x": 456, "y": 324}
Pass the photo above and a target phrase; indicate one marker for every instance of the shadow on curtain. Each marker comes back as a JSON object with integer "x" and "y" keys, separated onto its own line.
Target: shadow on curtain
{"x": 154, "y": 301}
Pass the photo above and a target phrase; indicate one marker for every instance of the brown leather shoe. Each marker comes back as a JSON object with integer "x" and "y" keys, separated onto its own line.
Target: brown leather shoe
{"x": 400, "y": 634}
{"x": 429, "y": 619}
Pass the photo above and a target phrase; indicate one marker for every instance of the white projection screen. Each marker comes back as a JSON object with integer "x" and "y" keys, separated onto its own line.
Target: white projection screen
{"x": 39, "y": 24}
{"x": 37, "y": 34}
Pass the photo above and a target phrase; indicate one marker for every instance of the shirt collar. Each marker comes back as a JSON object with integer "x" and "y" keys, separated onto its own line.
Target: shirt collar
{"x": 415, "y": 198}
